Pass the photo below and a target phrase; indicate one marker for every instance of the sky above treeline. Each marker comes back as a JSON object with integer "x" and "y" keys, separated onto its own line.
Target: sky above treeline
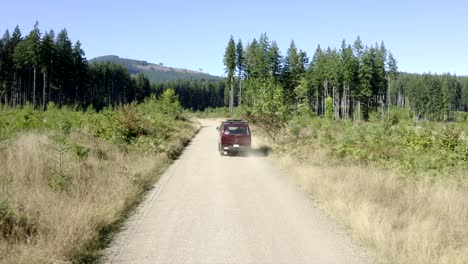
{"x": 424, "y": 36}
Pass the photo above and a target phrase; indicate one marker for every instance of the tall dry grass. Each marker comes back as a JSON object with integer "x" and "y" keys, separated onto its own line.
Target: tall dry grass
{"x": 418, "y": 221}
{"x": 56, "y": 201}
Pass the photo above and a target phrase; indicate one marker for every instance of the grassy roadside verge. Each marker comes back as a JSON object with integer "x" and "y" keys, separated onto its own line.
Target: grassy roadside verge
{"x": 68, "y": 178}
{"x": 400, "y": 189}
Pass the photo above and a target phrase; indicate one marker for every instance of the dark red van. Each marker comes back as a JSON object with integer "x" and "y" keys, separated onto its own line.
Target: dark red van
{"x": 234, "y": 137}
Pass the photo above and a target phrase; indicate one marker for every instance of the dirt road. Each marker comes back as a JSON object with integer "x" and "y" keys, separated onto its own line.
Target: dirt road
{"x": 213, "y": 209}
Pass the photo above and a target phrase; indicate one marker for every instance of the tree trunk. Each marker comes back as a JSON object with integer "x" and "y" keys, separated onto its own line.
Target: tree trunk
{"x": 240, "y": 91}
{"x": 343, "y": 103}
{"x": 49, "y": 80}
{"x": 44, "y": 85}
{"x": 333, "y": 100}
{"x": 317, "y": 104}
{"x": 124, "y": 94}
{"x": 27, "y": 90}
{"x": 6, "y": 99}
{"x": 231, "y": 96}
{"x": 388, "y": 99}
{"x": 34, "y": 88}
{"x": 359, "y": 110}
{"x": 383, "y": 107}
{"x": 18, "y": 93}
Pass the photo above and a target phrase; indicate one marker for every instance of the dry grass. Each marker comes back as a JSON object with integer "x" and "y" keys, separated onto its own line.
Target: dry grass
{"x": 405, "y": 221}
{"x": 53, "y": 206}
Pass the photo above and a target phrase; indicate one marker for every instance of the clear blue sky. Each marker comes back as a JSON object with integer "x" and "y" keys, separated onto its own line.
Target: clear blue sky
{"x": 424, "y": 36}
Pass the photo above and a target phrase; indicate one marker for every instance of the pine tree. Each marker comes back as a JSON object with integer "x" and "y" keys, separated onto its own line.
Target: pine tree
{"x": 33, "y": 45}
{"x": 334, "y": 76}
{"x": 251, "y": 62}
{"x": 275, "y": 60}
{"x": 358, "y": 47}
{"x": 263, "y": 56}
{"x": 302, "y": 96}
{"x": 379, "y": 76}
{"x": 292, "y": 62}
{"x": 349, "y": 75}
{"x": 317, "y": 79}
{"x": 4, "y": 64}
{"x": 79, "y": 72}
{"x": 392, "y": 76}
{"x": 63, "y": 67}
{"x": 446, "y": 102}
{"x": 365, "y": 84}
{"x": 291, "y": 73}
{"x": 46, "y": 60}
{"x": 230, "y": 63}
{"x": 17, "y": 63}
{"x": 240, "y": 63}
{"x": 20, "y": 61}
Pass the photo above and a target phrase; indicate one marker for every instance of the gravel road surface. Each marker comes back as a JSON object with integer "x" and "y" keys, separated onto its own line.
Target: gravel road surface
{"x": 212, "y": 209}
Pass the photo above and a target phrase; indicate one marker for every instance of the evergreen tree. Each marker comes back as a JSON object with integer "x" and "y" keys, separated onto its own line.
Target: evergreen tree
{"x": 317, "y": 79}
{"x": 20, "y": 62}
{"x": 291, "y": 72}
{"x": 358, "y": 47}
{"x": 349, "y": 75}
{"x": 275, "y": 60}
{"x": 251, "y": 60}
{"x": 392, "y": 76}
{"x": 365, "y": 84}
{"x": 302, "y": 96}
{"x": 63, "y": 67}
{"x": 5, "y": 66}
{"x": 78, "y": 78}
{"x": 142, "y": 87}
{"x": 379, "y": 78}
{"x": 263, "y": 56}
{"x": 230, "y": 63}
{"x": 46, "y": 59}
{"x": 33, "y": 45}
{"x": 240, "y": 63}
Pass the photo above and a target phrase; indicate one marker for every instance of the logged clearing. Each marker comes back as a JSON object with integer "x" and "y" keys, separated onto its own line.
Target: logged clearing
{"x": 406, "y": 222}
{"x": 56, "y": 204}
{"x": 68, "y": 178}
{"x": 407, "y": 213}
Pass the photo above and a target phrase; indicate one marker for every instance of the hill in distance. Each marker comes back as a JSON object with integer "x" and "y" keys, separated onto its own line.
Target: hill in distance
{"x": 155, "y": 72}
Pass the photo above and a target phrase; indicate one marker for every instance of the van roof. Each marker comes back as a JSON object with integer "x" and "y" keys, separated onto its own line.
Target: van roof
{"x": 235, "y": 121}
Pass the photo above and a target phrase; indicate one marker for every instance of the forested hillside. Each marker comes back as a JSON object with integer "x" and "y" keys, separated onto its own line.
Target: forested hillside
{"x": 346, "y": 82}
{"x": 44, "y": 67}
{"x": 156, "y": 72}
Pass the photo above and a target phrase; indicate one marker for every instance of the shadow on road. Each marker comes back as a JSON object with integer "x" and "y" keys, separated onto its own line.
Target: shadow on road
{"x": 262, "y": 151}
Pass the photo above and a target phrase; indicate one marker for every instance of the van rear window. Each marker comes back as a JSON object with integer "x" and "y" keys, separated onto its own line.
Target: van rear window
{"x": 236, "y": 130}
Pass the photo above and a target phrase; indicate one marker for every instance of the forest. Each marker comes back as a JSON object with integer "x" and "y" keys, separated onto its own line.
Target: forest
{"x": 44, "y": 67}
{"x": 347, "y": 82}
{"x": 195, "y": 95}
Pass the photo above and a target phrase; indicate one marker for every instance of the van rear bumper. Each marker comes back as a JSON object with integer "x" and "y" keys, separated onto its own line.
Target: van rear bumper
{"x": 235, "y": 148}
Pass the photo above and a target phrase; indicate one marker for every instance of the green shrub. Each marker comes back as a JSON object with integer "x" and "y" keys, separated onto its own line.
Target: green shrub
{"x": 423, "y": 148}
{"x": 13, "y": 227}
